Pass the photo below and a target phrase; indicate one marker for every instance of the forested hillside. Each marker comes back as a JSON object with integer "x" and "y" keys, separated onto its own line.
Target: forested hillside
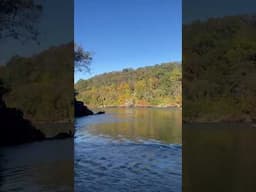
{"x": 158, "y": 85}
{"x": 41, "y": 86}
{"x": 219, "y": 67}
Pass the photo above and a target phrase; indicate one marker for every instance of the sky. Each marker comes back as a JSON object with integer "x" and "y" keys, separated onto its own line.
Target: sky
{"x": 128, "y": 33}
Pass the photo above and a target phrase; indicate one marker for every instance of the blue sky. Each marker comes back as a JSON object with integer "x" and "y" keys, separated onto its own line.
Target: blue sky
{"x": 128, "y": 33}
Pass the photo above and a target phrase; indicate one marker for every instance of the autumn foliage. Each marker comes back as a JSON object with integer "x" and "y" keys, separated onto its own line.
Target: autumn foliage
{"x": 158, "y": 85}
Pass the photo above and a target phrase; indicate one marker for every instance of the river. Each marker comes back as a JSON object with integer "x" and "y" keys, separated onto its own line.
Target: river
{"x": 129, "y": 149}
{"x": 122, "y": 150}
{"x": 219, "y": 157}
{"x": 39, "y": 166}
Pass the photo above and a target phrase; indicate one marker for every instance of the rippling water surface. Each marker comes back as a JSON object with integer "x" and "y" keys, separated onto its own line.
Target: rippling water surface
{"x": 129, "y": 150}
{"x": 37, "y": 167}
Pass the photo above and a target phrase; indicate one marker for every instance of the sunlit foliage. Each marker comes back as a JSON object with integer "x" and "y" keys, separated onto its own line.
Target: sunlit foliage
{"x": 158, "y": 85}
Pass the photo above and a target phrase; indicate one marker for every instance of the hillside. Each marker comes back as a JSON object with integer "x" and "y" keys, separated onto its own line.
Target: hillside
{"x": 158, "y": 85}
{"x": 41, "y": 86}
{"x": 219, "y": 67}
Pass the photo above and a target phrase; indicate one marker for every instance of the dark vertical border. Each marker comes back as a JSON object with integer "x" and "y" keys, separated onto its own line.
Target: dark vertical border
{"x": 219, "y": 95}
{"x": 36, "y": 95}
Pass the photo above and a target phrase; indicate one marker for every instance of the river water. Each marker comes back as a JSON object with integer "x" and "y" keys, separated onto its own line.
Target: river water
{"x": 45, "y": 166}
{"x": 122, "y": 150}
{"x": 129, "y": 150}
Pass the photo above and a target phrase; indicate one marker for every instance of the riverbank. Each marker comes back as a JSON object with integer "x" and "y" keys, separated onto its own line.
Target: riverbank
{"x": 52, "y": 129}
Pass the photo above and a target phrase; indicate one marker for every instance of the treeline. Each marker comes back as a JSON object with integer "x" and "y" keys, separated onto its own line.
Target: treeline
{"x": 41, "y": 86}
{"x": 219, "y": 67}
{"x": 158, "y": 85}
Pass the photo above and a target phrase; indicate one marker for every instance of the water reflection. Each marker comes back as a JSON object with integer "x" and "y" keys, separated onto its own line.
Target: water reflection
{"x": 150, "y": 123}
{"x": 42, "y": 166}
{"x": 219, "y": 157}
{"x": 129, "y": 150}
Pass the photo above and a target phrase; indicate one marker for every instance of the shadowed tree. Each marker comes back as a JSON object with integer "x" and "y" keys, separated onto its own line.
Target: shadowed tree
{"x": 18, "y": 19}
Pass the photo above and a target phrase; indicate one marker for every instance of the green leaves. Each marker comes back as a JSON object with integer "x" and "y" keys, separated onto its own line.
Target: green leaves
{"x": 219, "y": 66}
{"x": 158, "y": 85}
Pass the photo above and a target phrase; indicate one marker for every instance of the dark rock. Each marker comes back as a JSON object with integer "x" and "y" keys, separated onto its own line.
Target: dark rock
{"x": 14, "y": 128}
{"x": 81, "y": 110}
{"x": 100, "y": 112}
{"x": 63, "y": 135}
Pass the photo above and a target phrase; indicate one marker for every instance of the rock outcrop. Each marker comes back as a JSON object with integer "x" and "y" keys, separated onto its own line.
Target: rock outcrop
{"x": 81, "y": 110}
{"x": 100, "y": 112}
{"x": 14, "y": 128}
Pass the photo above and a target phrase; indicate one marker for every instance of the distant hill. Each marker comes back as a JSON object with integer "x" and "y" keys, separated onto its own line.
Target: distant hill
{"x": 158, "y": 85}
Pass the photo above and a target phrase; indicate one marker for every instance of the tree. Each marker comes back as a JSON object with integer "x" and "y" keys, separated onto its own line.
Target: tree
{"x": 152, "y": 85}
{"x": 18, "y": 19}
{"x": 82, "y": 59}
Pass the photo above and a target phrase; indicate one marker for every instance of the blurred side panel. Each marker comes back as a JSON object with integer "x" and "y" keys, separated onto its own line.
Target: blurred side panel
{"x": 219, "y": 94}
{"x": 36, "y": 95}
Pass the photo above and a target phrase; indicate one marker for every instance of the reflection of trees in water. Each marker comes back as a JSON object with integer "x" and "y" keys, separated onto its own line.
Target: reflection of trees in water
{"x": 160, "y": 124}
{"x": 220, "y": 155}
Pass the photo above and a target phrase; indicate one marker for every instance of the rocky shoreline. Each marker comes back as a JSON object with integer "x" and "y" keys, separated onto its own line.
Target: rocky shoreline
{"x": 82, "y": 110}
{"x": 16, "y": 130}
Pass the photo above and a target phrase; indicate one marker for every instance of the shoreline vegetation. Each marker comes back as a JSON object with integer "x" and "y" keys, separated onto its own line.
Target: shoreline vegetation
{"x": 219, "y": 70}
{"x": 141, "y": 106}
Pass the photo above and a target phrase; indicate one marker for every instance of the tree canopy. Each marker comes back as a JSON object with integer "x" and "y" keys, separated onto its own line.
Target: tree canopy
{"x": 18, "y": 19}
{"x": 158, "y": 85}
{"x": 42, "y": 85}
{"x": 219, "y": 66}
{"x": 82, "y": 59}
